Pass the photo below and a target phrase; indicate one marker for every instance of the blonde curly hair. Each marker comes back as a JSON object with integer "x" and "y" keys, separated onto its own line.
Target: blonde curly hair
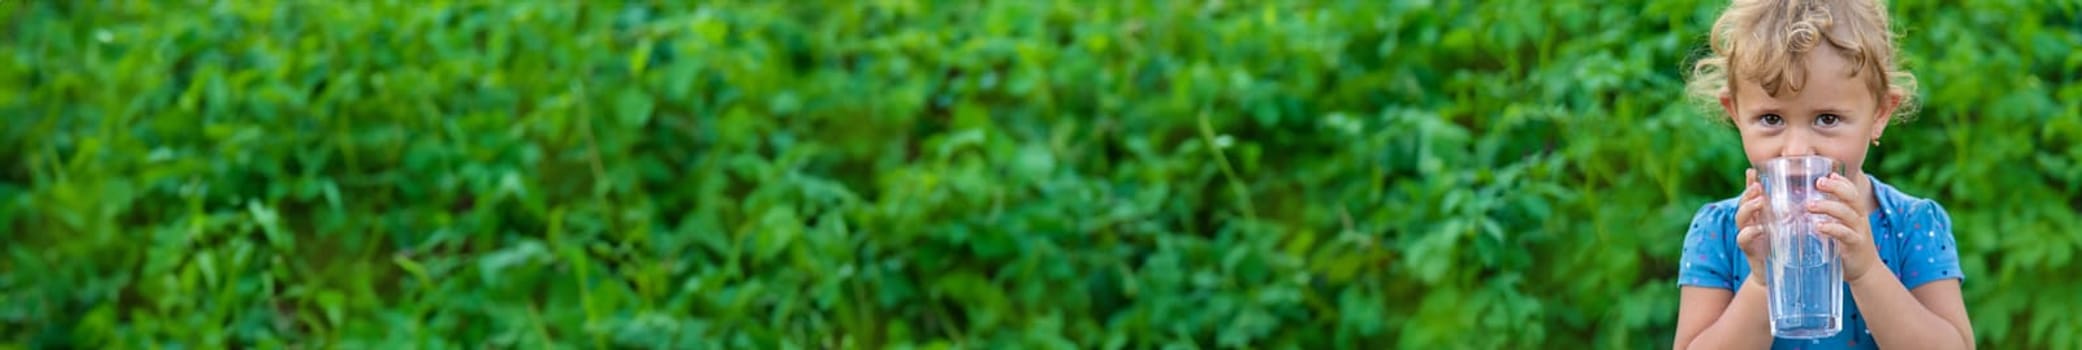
{"x": 1766, "y": 42}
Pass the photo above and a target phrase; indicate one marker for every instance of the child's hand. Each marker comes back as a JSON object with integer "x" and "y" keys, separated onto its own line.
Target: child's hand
{"x": 1852, "y": 232}
{"x": 1749, "y": 217}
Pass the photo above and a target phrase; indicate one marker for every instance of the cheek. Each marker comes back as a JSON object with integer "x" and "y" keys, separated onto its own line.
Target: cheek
{"x": 1851, "y": 146}
{"x": 1759, "y": 148}
{"x": 1851, "y": 153}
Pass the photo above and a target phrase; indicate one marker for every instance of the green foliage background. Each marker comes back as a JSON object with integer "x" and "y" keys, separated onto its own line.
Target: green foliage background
{"x": 1091, "y": 174}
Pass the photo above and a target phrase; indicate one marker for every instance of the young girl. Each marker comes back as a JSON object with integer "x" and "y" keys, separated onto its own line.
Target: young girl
{"x": 1818, "y": 77}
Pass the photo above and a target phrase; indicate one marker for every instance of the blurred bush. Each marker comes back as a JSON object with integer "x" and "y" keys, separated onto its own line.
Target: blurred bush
{"x": 1091, "y": 174}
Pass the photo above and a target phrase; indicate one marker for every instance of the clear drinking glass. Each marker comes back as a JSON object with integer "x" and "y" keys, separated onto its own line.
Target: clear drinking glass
{"x": 1805, "y": 272}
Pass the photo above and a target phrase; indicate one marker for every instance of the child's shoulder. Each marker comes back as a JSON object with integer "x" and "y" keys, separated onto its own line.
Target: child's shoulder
{"x": 1717, "y": 215}
{"x": 1916, "y": 212}
{"x": 1915, "y": 237}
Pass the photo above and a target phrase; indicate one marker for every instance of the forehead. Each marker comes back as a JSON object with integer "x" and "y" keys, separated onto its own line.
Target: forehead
{"x": 1829, "y": 82}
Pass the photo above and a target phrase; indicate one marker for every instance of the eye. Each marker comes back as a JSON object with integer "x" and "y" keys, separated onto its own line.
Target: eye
{"x": 1772, "y": 120}
{"x": 1828, "y": 120}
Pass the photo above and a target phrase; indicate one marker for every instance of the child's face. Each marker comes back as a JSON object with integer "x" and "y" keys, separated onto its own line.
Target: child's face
{"x": 1833, "y": 115}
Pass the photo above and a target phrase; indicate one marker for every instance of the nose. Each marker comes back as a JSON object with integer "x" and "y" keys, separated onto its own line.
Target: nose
{"x": 1798, "y": 143}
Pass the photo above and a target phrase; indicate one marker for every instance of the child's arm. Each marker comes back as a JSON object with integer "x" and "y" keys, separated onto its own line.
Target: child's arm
{"x": 1714, "y": 312}
{"x": 1931, "y": 317}
{"x": 1712, "y": 318}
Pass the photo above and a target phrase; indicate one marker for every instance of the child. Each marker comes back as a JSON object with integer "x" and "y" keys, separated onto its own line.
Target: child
{"x": 1818, "y": 78}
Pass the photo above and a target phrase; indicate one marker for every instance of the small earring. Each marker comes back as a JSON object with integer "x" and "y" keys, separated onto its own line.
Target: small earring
{"x": 1875, "y": 142}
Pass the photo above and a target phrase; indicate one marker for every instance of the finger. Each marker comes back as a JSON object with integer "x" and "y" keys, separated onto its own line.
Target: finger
{"x": 1838, "y": 186}
{"x": 1838, "y": 210}
{"x": 1749, "y": 181}
{"x": 1746, "y": 242}
{"x": 1842, "y": 234}
{"x": 1746, "y": 214}
{"x": 1748, "y": 234}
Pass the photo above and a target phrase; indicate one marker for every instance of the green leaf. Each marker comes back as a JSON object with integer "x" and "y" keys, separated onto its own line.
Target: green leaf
{"x": 633, "y": 107}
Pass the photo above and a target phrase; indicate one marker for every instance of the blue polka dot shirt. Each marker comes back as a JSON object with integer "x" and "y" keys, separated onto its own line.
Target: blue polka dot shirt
{"x": 1913, "y": 236}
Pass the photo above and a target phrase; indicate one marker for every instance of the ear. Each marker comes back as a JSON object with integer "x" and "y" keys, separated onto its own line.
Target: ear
{"x": 1887, "y": 109}
{"x": 1728, "y": 106}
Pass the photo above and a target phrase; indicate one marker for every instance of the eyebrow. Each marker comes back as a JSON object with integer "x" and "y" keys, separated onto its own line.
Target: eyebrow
{"x": 1838, "y": 111}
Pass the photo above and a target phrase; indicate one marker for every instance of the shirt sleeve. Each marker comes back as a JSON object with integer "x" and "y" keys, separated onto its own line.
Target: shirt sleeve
{"x": 1706, "y": 247}
{"x": 1933, "y": 253}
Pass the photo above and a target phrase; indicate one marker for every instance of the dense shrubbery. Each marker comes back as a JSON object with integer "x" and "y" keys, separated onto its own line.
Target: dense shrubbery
{"x": 1495, "y": 174}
